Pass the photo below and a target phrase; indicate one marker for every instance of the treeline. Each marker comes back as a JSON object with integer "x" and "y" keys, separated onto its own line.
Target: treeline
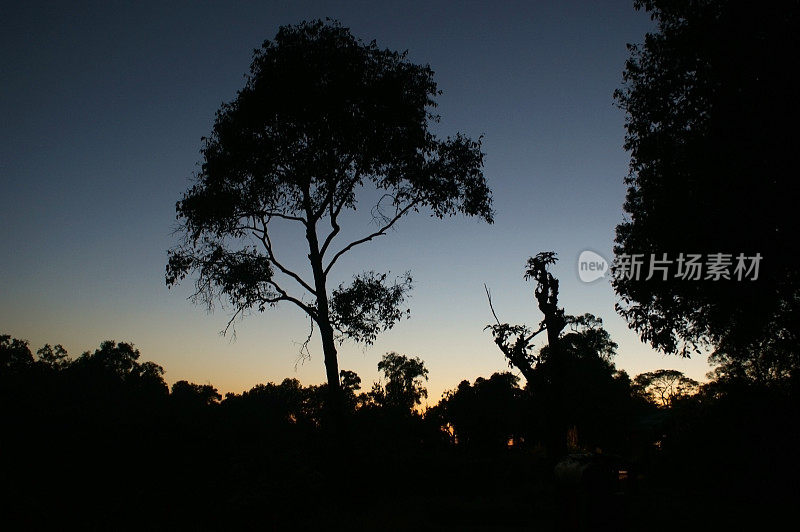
{"x": 102, "y": 439}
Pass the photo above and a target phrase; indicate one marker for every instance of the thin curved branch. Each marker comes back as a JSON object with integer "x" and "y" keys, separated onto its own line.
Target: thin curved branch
{"x": 263, "y": 235}
{"x": 380, "y": 232}
{"x": 284, "y": 296}
{"x": 304, "y": 353}
{"x": 335, "y": 211}
{"x": 542, "y": 328}
{"x": 224, "y": 331}
{"x": 491, "y": 307}
{"x": 273, "y": 214}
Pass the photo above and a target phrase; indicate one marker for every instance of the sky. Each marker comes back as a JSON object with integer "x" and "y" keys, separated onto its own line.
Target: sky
{"x": 102, "y": 108}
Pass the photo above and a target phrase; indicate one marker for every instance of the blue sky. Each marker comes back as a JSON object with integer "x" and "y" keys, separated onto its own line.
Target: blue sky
{"x": 103, "y": 107}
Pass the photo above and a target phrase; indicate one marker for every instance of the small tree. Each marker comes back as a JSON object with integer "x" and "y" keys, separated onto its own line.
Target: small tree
{"x": 322, "y": 116}
{"x": 664, "y": 386}
{"x": 15, "y": 355}
{"x": 404, "y": 387}
{"x": 55, "y": 358}
{"x": 485, "y": 414}
{"x": 117, "y": 365}
{"x": 195, "y": 395}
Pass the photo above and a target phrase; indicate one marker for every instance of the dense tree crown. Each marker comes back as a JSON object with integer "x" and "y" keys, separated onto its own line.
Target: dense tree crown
{"x": 712, "y": 110}
{"x": 404, "y": 376}
{"x": 322, "y": 115}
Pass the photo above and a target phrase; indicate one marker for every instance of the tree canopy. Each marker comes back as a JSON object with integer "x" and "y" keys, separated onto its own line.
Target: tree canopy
{"x": 15, "y": 355}
{"x": 322, "y": 116}
{"x": 404, "y": 388}
{"x": 664, "y": 386}
{"x": 711, "y": 105}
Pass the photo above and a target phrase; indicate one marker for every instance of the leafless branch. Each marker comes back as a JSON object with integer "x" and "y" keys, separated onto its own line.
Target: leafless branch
{"x": 273, "y": 214}
{"x": 263, "y": 235}
{"x": 489, "y": 297}
{"x": 334, "y": 213}
{"x": 305, "y": 354}
{"x": 335, "y": 208}
{"x": 284, "y": 296}
{"x": 224, "y": 331}
{"x": 382, "y": 231}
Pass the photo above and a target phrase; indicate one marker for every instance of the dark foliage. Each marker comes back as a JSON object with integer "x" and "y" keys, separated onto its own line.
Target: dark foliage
{"x": 488, "y": 414}
{"x": 98, "y": 443}
{"x": 712, "y": 112}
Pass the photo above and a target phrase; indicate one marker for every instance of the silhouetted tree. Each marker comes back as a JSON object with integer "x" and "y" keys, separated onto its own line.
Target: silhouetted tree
{"x": 712, "y": 111}
{"x": 486, "y": 414}
{"x": 15, "y": 355}
{"x": 115, "y": 364}
{"x": 350, "y": 380}
{"x": 119, "y": 360}
{"x": 404, "y": 387}
{"x": 351, "y": 384}
{"x": 191, "y": 394}
{"x": 580, "y": 390}
{"x": 322, "y": 116}
{"x": 515, "y": 340}
{"x": 664, "y": 386}
{"x": 55, "y": 358}
{"x": 276, "y": 406}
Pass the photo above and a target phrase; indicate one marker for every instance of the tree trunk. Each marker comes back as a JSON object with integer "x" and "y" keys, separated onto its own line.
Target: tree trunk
{"x": 559, "y": 427}
{"x": 325, "y": 328}
{"x": 331, "y": 357}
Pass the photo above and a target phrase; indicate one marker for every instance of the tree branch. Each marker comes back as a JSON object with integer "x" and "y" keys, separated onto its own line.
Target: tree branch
{"x": 491, "y": 307}
{"x": 224, "y": 331}
{"x": 489, "y": 297}
{"x": 263, "y": 235}
{"x": 334, "y": 213}
{"x": 271, "y": 214}
{"x": 542, "y": 328}
{"x": 304, "y": 353}
{"x": 380, "y": 232}
{"x": 283, "y": 296}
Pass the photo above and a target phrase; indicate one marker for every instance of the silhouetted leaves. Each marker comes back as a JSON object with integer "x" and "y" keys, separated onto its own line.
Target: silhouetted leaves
{"x": 712, "y": 113}
{"x": 486, "y": 414}
{"x": 664, "y": 386}
{"x": 54, "y": 357}
{"x": 15, "y": 355}
{"x": 404, "y": 387}
{"x": 368, "y": 306}
{"x": 195, "y": 395}
{"x": 102, "y": 428}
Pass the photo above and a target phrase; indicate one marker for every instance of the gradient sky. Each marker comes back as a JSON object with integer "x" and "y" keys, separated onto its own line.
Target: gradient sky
{"x": 103, "y": 106}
